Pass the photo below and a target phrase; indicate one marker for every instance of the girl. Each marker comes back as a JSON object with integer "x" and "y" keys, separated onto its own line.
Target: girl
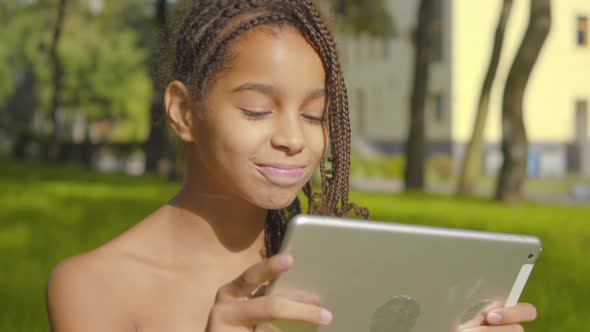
{"x": 258, "y": 99}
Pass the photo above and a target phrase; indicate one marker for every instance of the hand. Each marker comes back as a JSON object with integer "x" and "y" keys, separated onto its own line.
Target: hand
{"x": 239, "y": 307}
{"x": 499, "y": 319}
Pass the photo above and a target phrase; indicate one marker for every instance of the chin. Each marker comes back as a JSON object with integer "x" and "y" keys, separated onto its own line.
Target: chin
{"x": 276, "y": 201}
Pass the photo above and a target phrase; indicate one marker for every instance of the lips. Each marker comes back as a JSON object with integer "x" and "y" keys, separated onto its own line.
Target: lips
{"x": 281, "y": 172}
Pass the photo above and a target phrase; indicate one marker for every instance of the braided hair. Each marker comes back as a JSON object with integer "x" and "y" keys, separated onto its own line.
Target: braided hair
{"x": 202, "y": 51}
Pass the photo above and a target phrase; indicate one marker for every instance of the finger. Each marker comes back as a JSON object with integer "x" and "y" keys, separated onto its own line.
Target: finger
{"x": 480, "y": 318}
{"x": 255, "y": 276}
{"x": 261, "y": 291}
{"x": 269, "y": 308}
{"x": 520, "y": 313}
{"x": 299, "y": 295}
{"x": 476, "y": 321}
{"x": 505, "y": 328}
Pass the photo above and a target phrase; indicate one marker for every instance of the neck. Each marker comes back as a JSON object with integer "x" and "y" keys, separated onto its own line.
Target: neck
{"x": 226, "y": 224}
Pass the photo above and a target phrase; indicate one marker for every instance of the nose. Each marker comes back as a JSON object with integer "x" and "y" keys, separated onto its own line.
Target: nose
{"x": 288, "y": 134}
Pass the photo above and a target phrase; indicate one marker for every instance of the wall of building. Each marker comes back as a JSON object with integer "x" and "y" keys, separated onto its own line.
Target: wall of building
{"x": 561, "y": 76}
{"x": 379, "y": 76}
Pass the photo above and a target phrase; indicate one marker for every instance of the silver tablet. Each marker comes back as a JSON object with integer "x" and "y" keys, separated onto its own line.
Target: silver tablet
{"x": 388, "y": 277}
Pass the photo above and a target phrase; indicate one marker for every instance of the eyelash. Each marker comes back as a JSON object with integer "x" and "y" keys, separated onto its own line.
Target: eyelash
{"x": 254, "y": 116}
{"x": 313, "y": 119}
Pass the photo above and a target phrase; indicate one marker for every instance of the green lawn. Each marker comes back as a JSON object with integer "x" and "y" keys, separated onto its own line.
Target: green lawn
{"x": 48, "y": 213}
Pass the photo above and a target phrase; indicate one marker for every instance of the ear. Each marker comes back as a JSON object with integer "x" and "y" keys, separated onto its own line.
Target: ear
{"x": 179, "y": 111}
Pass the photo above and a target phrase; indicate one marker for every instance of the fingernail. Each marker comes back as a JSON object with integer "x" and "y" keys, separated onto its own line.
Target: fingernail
{"x": 325, "y": 317}
{"x": 285, "y": 261}
{"x": 494, "y": 318}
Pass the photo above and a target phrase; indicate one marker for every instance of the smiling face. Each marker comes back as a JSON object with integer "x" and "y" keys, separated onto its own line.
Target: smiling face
{"x": 261, "y": 133}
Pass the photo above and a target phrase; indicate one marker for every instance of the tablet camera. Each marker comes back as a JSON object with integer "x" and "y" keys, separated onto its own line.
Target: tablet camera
{"x": 397, "y": 315}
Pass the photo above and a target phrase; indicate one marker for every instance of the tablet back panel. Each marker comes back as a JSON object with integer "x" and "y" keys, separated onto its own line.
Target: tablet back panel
{"x": 379, "y": 277}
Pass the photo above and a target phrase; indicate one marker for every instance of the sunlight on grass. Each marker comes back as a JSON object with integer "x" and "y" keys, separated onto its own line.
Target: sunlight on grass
{"x": 48, "y": 213}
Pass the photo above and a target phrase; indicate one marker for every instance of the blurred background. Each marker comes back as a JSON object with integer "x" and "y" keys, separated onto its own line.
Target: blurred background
{"x": 470, "y": 114}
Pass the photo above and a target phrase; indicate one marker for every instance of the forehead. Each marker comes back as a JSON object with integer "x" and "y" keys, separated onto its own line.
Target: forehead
{"x": 276, "y": 55}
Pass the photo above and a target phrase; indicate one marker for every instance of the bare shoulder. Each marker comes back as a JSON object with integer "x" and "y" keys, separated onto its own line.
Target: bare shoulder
{"x": 142, "y": 280}
{"x": 84, "y": 294}
{"x": 93, "y": 291}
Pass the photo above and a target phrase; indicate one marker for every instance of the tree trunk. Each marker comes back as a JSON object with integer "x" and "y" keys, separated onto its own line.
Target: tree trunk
{"x": 158, "y": 146}
{"x": 415, "y": 144}
{"x": 54, "y": 143}
{"x": 512, "y": 175}
{"x": 471, "y": 167}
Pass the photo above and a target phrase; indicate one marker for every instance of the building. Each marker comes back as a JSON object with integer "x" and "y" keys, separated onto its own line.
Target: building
{"x": 379, "y": 76}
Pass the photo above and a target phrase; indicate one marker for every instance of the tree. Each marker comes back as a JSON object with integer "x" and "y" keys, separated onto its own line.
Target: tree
{"x": 102, "y": 52}
{"x": 158, "y": 147}
{"x": 514, "y": 140}
{"x": 57, "y": 80}
{"x": 472, "y": 160}
{"x": 22, "y": 35}
{"x": 6, "y": 81}
{"x": 6, "y": 85}
{"x": 22, "y": 105}
{"x": 415, "y": 144}
{"x": 105, "y": 75}
{"x": 356, "y": 16}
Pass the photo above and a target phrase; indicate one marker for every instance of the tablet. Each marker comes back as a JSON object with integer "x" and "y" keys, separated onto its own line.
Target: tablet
{"x": 389, "y": 277}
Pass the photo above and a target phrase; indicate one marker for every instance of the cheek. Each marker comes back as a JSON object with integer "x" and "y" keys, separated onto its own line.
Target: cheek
{"x": 234, "y": 139}
{"x": 317, "y": 143}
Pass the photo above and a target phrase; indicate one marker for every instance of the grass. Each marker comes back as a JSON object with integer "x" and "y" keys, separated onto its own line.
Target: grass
{"x": 48, "y": 213}
{"x": 536, "y": 185}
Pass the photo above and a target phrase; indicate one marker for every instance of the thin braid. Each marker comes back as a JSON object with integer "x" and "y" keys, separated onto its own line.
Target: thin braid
{"x": 276, "y": 226}
{"x": 219, "y": 17}
{"x": 344, "y": 112}
{"x": 338, "y": 107}
{"x": 195, "y": 25}
{"x": 260, "y": 20}
{"x": 316, "y": 33}
{"x": 225, "y": 15}
{"x": 202, "y": 45}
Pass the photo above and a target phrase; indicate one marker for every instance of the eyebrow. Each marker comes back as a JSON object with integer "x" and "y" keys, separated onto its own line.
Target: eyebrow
{"x": 271, "y": 90}
{"x": 264, "y": 88}
{"x": 319, "y": 93}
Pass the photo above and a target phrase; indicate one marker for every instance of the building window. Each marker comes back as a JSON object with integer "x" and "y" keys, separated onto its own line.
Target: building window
{"x": 386, "y": 49}
{"x": 582, "y": 31}
{"x": 580, "y": 161}
{"x": 581, "y": 120}
{"x": 374, "y": 49}
{"x": 439, "y": 108}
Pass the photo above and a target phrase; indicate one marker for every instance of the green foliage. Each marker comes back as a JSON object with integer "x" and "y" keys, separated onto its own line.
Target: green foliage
{"x": 378, "y": 167}
{"x": 104, "y": 57}
{"x": 106, "y": 77}
{"x": 371, "y": 17}
{"x": 22, "y": 36}
{"x": 440, "y": 166}
{"x": 48, "y": 213}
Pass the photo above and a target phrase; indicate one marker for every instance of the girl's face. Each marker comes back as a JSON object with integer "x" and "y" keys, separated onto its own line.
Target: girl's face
{"x": 262, "y": 133}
